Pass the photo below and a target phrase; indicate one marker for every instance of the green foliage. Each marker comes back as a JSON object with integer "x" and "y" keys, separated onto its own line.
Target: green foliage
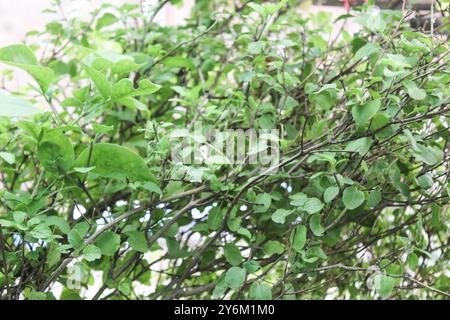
{"x": 352, "y": 197}
{"x": 108, "y": 243}
{"x": 11, "y": 106}
{"x": 22, "y": 57}
{"x": 113, "y": 161}
{"x": 357, "y": 207}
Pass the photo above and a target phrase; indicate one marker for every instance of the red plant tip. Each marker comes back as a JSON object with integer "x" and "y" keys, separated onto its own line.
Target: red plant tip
{"x": 349, "y": 3}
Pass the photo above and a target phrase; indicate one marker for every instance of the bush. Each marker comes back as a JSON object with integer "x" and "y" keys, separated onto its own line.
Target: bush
{"x": 356, "y": 205}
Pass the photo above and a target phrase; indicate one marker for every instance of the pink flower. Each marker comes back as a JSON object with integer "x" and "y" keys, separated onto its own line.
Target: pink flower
{"x": 349, "y": 3}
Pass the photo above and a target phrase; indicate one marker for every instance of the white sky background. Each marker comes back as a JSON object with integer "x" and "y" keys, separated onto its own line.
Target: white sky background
{"x": 17, "y": 17}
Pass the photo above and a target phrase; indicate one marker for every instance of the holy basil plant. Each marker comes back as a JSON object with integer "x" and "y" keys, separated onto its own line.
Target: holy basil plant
{"x": 99, "y": 201}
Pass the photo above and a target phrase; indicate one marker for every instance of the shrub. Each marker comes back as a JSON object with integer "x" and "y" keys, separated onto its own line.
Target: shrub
{"x": 356, "y": 206}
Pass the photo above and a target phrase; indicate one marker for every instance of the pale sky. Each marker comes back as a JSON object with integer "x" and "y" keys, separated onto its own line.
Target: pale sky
{"x": 20, "y": 16}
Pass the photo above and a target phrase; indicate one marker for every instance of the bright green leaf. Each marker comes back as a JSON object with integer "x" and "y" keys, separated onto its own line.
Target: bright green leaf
{"x": 108, "y": 242}
{"x": 114, "y": 161}
{"x": 353, "y": 198}
{"x": 12, "y": 106}
{"x": 55, "y": 151}
{"x": 91, "y": 253}
{"x": 330, "y": 193}
{"x": 20, "y": 56}
{"x": 384, "y": 285}
{"x": 363, "y": 113}
{"x": 215, "y": 218}
{"x": 232, "y": 254}
{"x": 260, "y": 292}
{"x": 299, "y": 240}
{"x": 367, "y": 50}
{"x": 316, "y": 226}
{"x": 234, "y": 277}
{"x": 100, "y": 81}
{"x": 273, "y": 247}
{"x": 280, "y": 215}
{"x": 137, "y": 241}
{"x": 313, "y": 205}
{"x": 361, "y": 145}
{"x": 413, "y": 91}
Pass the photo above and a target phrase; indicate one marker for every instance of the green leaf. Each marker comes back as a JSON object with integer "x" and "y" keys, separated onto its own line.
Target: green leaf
{"x": 179, "y": 62}
{"x": 8, "y": 157}
{"x": 11, "y": 106}
{"x": 263, "y": 200}
{"x": 114, "y": 161}
{"x": 255, "y": 47}
{"x": 215, "y": 218}
{"x": 235, "y": 277}
{"x": 413, "y": 260}
{"x": 251, "y": 266}
{"x": 132, "y": 103}
{"x": 91, "y": 253}
{"x": 413, "y": 91}
{"x": 280, "y": 215}
{"x": 363, "y": 113}
{"x": 257, "y": 8}
{"x": 316, "y": 226}
{"x": 55, "y": 151}
{"x": 35, "y": 295}
{"x": 106, "y": 20}
{"x": 330, "y": 193}
{"x": 318, "y": 252}
{"x": 244, "y": 232}
{"x": 260, "y": 292}
{"x": 232, "y": 254}
{"x": 313, "y": 205}
{"x": 108, "y": 242}
{"x": 105, "y": 60}
{"x": 100, "y": 81}
{"x": 102, "y": 129}
{"x": 436, "y": 215}
{"x": 384, "y": 285}
{"x": 374, "y": 198}
{"x": 30, "y": 128}
{"x": 125, "y": 89}
{"x": 265, "y": 122}
{"x": 67, "y": 294}
{"x": 20, "y": 216}
{"x": 152, "y": 187}
{"x": 299, "y": 199}
{"x": 361, "y": 145}
{"x": 59, "y": 222}
{"x": 137, "y": 241}
{"x": 83, "y": 170}
{"x": 367, "y": 50}
{"x": 429, "y": 155}
{"x": 299, "y": 240}
{"x": 20, "y": 56}
{"x": 273, "y": 247}
{"x": 75, "y": 239}
{"x": 353, "y": 198}
{"x": 42, "y": 232}
{"x": 425, "y": 181}
{"x": 220, "y": 288}
{"x": 380, "y": 125}
{"x": 53, "y": 255}
{"x": 125, "y": 288}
